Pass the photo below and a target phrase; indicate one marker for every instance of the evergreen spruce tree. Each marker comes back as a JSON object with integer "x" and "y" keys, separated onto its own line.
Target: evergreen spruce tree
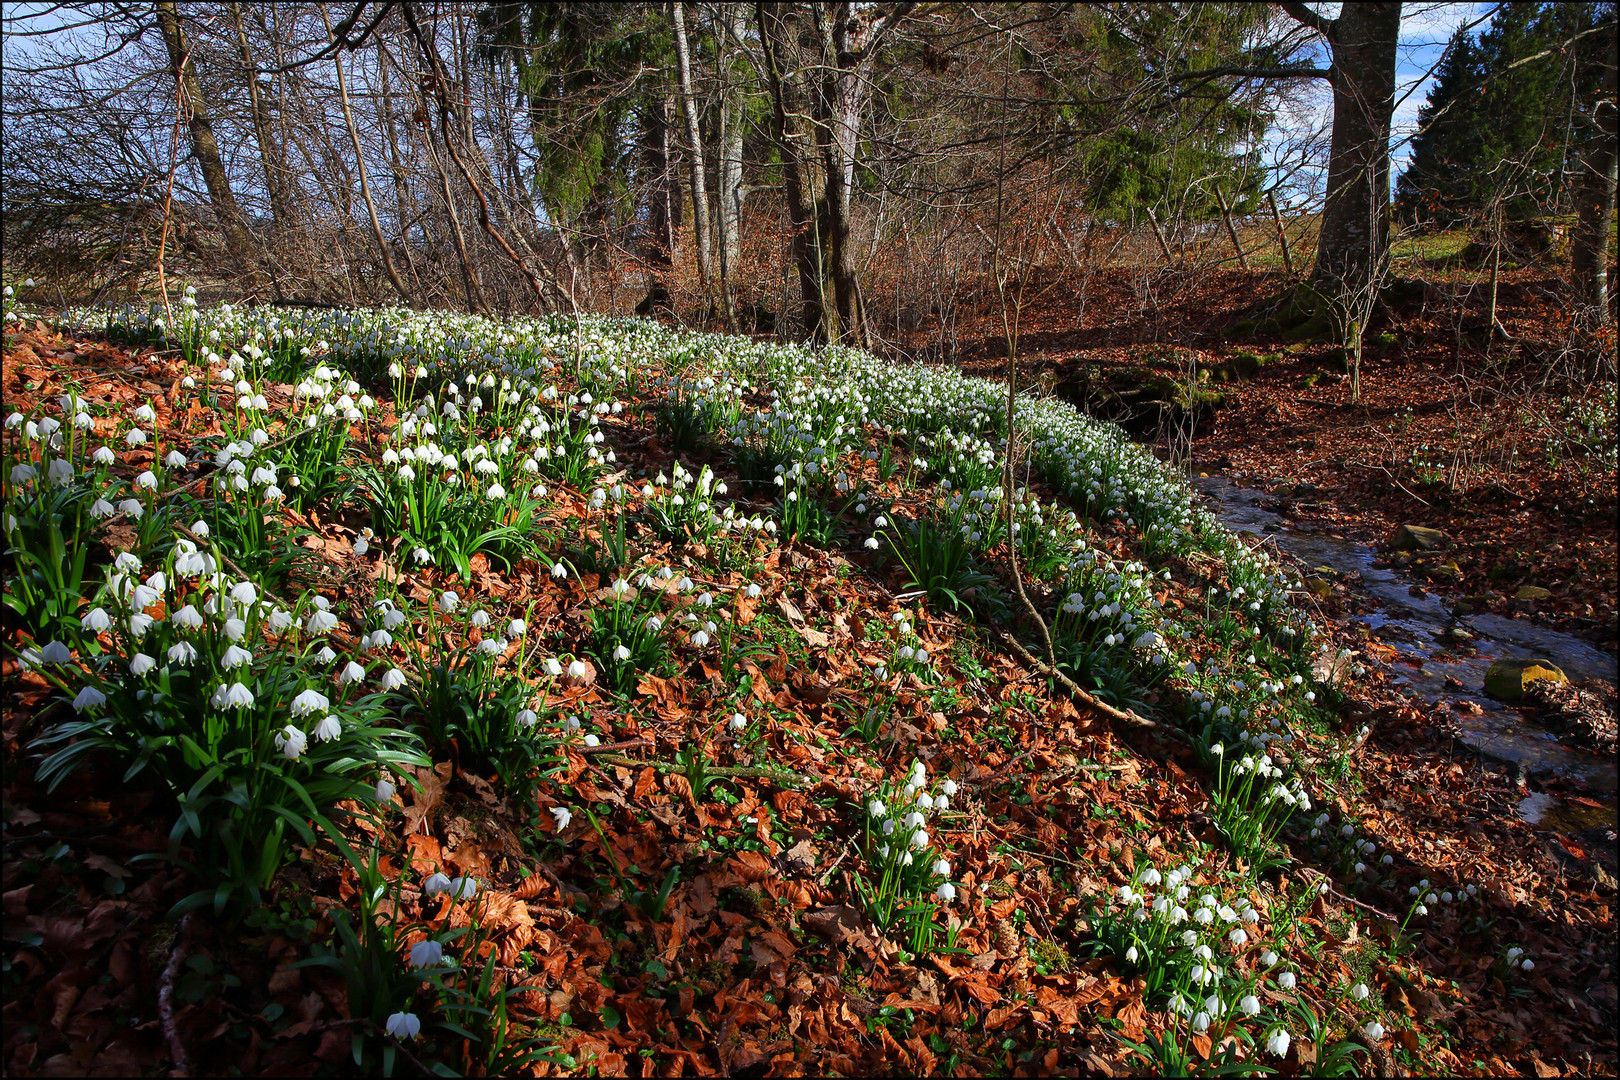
{"x": 1438, "y": 184}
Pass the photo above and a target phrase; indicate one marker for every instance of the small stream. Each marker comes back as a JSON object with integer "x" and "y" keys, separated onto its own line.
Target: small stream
{"x": 1430, "y": 663}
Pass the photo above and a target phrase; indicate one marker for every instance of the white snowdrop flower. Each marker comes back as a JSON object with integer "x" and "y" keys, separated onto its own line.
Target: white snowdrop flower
{"x": 309, "y": 703}
{"x": 559, "y": 570}
{"x": 1287, "y": 980}
{"x": 752, "y": 591}
{"x": 393, "y": 679}
{"x": 876, "y": 808}
{"x": 553, "y": 666}
{"x": 234, "y": 657}
{"x": 592, "y": 740}
{"x": 291, "y": 742}
{"x": 136, "y": 437}
{"x": 949, "y": 787}
{"x": 700, "y": 639}
{"x": 1250, "y": 1005}
{"x": 1268, "y": 958}
{"x": 328, "y": 728}
{"x": 384, "y": 791}
{"x": 96, "y": 621}
{"x": 319, "y": 622}
{"x": 1373, "y": 1030}
{"x": 563, "y": 816}
{"x": 1239, "y": 937}
{"x": 351, "y": 673}
{"x": 89, "y": 698}
{"x": 577, "y": 669}
{"x": 448, "y": 601}
{"x": 182, "y": 653}
{"x": 54, "y": 652}
{"x": 234, "y": 629}
{"x": 1360, "y": 991}
{"x": 425, "y": 954}
{"x": 403, "y": 1025}
{"x": 101, "y": 508}
{"x": 516, "y": 628}
{"x": 238, "y": 696}
{"x": 946, "y": 892}
{"x": 243, "y": 592}
{"x": 436, "y": 883}
{"x": 738, "y": 722}
{"x": 140, "y": 664}
{"x": 104, "y": 455}
{"x": 1277, "y": 1042}
{"x": 131, "y": 508}
{"x": 1201, "y": 1023}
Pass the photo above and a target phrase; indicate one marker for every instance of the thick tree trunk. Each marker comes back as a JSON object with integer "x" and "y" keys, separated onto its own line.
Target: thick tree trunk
{"x": 203, "y": 146}
{"x": 1355, "y": 219}
{"x": 806, "y": 258}
{"x": 694, "y": 136}
{"x": 1594, "y": 200}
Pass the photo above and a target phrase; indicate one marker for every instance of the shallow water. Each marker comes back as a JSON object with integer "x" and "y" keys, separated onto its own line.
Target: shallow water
{"x": 1417, "y": 626}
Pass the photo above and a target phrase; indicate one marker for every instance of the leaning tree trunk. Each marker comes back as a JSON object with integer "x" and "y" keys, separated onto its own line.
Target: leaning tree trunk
{"x": 1355, "y": 219}
{"x": 1594, "y": 198}
{"x": 203, "y": 145}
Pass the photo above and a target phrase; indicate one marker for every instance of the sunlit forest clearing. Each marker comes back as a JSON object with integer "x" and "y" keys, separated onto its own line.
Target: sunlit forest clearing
{"x": 809, "y": 539}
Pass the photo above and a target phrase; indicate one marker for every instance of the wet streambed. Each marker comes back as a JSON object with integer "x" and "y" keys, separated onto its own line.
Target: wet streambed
{"x": 1431, "y": 664}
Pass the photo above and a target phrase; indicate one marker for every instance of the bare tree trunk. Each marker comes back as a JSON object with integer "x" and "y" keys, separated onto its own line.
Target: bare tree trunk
{"x": 1282, "y": 235}
{"x": 1231, "y": 229}
{"x": 360, "y": 165}
{"x": 805, "y": 259}
{"x": 700, "y": 189}
{"x": 275, "y": 170}
{"x": 733, "y": 20}
{"x": 203, "y": 146}
{"x": 1594, "y": 199}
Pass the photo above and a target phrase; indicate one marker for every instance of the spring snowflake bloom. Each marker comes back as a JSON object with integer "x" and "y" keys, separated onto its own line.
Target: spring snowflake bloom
{"x": 89, "y": 698}
{"x": 55, "y": 652}
{"x": 448, "y": 601}
{"x": 577, "y": 669}
{"x": 559, "y": 571}
{"x": 592, "y": 740}
{"x": 553, "y": 666}
{"x": 1360, "y": 992}
{"x": 385, "y": 791}
{"x": 435, "y": 884}
{"x": 738, "y": 722}
{"x": 563, "y": 816}
{"x": 234, "y": 657}
{"x": 1287, "y": 980}
{"x": 351, "y": 673}
{"x": 1277, "y": 1042}
{"x": 700, "y": 639}
{"x": 516, "y": 628}
{"x": 1239, "y": 938}
{"x": 1373, "y": 1030}
{"x": 621, "y": 653}
{"x": 96, "y": 621}
{"x": 1250, "y": 1005}
{"x": 403, "y": 1025}
{"x": 182, "y": 653}
{"x": 319, "y": 622}
{"x": 527, "y": 718}
{"x": 291, "y": 742}
{"x": 238, "y": 696}
{"x": 946, "y": 892}
{"x": 426, "y": 954}
{"x": 327, "y": 729}
{"x": 1268, "y": 958}
{"x": 104, "y": 455}
{"x": 462, "y": 888}
{"x": 752, "y": 591}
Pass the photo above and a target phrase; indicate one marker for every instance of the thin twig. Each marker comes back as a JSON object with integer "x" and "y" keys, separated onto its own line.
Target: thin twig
{"x": 780, "y": 776}
{"x": 1069, "y": 684}
{"x": 171, "y": 970}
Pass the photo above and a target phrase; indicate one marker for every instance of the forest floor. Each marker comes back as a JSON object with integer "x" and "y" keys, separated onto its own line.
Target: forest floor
{"x": 757, "y": 964}
{"x": 1494, "y": 450}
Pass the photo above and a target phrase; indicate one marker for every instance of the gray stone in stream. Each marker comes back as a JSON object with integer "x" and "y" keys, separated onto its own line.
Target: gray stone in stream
{"x": 1507, "y": 679}
{"x": 1415, "y": 538}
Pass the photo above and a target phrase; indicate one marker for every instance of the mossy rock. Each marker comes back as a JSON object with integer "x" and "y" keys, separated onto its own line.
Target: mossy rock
{"x": 1243, "y": 328}
{"x": 1445, "y": 572}
{"x": 1318, "y": 588}
{"x": 1240, "y": 367}
{"x": 1507, "y": 680}
{"x": 1306, "y": 382}
{"x": 1415, "y": 538}
{"x": 1532, "y": 592}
